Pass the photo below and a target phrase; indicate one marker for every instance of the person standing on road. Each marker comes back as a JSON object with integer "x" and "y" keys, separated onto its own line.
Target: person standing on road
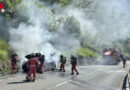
{"x": 62, "y": 61}
{"x": 32, "y": 63}
{"x": 41, "y": 59}
{"x": 74, "y": 63}
{"x": 14, "y": 59}
{"x": 123, "y": 60}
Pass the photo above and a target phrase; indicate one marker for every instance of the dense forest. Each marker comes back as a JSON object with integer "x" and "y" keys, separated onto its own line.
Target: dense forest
{"x": 69, "y": 24}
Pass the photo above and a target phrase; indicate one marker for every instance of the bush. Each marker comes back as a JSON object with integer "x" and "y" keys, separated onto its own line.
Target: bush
{"x": 4, "y": 53}
{"x": 85, "y": 52}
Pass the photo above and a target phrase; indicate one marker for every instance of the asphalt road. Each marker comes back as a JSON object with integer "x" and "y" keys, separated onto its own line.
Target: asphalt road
{"x": 95, "y": 77}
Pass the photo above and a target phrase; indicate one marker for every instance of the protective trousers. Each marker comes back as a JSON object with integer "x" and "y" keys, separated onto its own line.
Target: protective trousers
{"x": 73, "y": 68}
{"x": 62, "y": 67}
{"x": 32, "y": 70}
{"x": 124, "y": 64}
{"x": 13, "y": 67}
{"x": 41, "y": 67}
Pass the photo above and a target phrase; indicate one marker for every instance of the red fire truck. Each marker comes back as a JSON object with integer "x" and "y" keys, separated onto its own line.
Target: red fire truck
{"x": 111, "y": 56}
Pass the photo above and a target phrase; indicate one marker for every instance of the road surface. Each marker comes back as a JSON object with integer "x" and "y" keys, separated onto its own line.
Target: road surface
{"x": 95, "y": 77}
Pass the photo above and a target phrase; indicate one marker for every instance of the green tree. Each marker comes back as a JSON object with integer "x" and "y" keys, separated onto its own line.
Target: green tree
{"x": 127, "y": 45}
{"x": 61, "y": 2}
{"x": 10, "y": 4}
{"x": 72, "y": 26}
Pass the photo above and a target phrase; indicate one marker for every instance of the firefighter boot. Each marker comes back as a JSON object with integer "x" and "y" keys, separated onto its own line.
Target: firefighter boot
{"x": 77, "y": 73}
{"x": 72, "y": 73}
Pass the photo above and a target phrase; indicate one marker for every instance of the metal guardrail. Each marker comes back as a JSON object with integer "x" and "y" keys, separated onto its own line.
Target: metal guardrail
{"x": 128, "y": 81}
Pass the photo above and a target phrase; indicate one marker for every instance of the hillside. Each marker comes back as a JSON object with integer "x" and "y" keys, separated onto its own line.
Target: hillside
{"x": 80, "y": 27}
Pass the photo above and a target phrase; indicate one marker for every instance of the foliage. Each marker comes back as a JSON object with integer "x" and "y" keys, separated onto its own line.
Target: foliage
{"x": 64, "y": 2}
{"x": 127, "y": 45}
{"x": 72, "y": 26}
{"x": 4, "y": 53}
{"x": 3, "y": 50}
{"x": 53, "y": 11}
{"x": 89, "y": 44}
{"x": 40, "y": 5}
{"x": 10, "y": 4}
{"x": 61, "y": 2}
{"x": 126, "y": 54}
{"x": 85, "y": 52}
{"x": 50, "y": 1}
{"x": 83, "y": 3}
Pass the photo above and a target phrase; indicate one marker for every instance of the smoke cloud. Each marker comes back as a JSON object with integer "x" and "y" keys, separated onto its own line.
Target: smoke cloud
{"x": 112, "y": 19}
{"x": 48, "y": 33}
{"x": 35, "y": 34}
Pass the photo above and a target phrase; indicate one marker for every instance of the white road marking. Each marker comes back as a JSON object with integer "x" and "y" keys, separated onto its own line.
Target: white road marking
{"x": 117, "y": 71}
{"x": 9, "y": 78}
{"x": 60, "y": 84}
{"x": 94, "y": 72}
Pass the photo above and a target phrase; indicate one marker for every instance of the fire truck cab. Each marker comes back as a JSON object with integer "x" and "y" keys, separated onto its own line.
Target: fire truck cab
{"x": 111, "y": 56}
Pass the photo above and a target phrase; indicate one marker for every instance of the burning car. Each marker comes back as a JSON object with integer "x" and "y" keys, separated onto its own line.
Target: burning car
{"x": 48, "y": 66}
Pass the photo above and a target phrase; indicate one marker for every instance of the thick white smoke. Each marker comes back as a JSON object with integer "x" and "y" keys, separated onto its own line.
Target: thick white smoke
{"x": 34, "y": 35}
{"x": 106, "y": 20}
{"x": 109, "y": 19}
{"x": 112, "y": 19}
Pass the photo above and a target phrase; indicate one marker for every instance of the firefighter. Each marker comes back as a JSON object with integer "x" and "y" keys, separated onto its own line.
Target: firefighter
{"x": 41, "y": 60}
{"x": 123, "y": 60}
{"x": 74, "y": 63}
{"x": 14, "y": 59}
{"x": 121, "y": 56}
{"x": 32, "y": 63}
{"x": 62, "y": 61}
